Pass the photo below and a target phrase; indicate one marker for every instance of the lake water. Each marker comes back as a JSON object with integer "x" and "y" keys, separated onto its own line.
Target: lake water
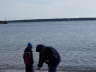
{"x": 74, "y": 40}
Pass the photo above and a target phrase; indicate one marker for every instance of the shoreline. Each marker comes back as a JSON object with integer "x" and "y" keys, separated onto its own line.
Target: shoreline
{"x": 18, "y": 68}
{"x": 3, "y": 22}
{"x": 51, "y": 20}
{"x": 47, "y": 20}
{"x": 47, "y": 70}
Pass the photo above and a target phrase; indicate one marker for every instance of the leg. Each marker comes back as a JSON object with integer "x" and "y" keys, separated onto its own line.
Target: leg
{"x": 29, "y": 68}
{"x": 26, "y": 68}
{"x": 52, "y": 68}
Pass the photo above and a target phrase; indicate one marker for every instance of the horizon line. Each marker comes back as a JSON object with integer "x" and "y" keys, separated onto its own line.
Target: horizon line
{"x": 44, "y": 18}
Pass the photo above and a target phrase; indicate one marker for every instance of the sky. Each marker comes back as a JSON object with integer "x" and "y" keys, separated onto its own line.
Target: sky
{"x": 40, "y": 9}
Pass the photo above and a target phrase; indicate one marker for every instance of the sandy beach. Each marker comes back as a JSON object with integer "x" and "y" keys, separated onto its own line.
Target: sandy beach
{"x": 47, "y": 71}
{"x": 68, "y": 69}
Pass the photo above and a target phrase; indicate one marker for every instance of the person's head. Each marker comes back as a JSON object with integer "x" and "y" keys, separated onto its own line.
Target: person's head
{"x": 28, "y": 48}
{"x": 39, "y": 47}
{"x": 29, "y": 45}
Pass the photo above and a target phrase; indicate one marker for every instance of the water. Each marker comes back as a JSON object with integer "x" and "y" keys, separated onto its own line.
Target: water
{"x": 74, "y": 40}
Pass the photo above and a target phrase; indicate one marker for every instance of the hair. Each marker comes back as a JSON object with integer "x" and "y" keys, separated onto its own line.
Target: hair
{"x": 39, "y": 47}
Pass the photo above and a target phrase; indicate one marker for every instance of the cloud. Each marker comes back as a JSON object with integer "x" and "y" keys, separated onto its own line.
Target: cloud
{"x": 22, "y": 9}
{"x": 34, "y": 1}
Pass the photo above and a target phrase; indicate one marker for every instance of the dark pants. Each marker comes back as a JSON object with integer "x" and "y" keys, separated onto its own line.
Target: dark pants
{"x": 29, "y": 68}
{"x": 53, "y": 67}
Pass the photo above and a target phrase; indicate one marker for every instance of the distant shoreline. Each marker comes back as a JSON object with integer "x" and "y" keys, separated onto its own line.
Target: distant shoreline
{"x": 48, "y": 20}
{"x": 3, "y": 22}
{"x": 53, "y": 20}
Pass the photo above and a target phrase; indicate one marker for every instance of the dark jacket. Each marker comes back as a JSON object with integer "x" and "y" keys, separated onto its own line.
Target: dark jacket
{"x": 28, "y": 56}
{"x": 48, "y": 55}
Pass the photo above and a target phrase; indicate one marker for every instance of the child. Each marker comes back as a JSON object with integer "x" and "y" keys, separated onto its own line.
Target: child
{"x": 28, "y": 58}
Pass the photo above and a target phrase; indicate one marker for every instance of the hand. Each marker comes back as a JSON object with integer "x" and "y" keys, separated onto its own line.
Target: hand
{"x": 47, "y": 61}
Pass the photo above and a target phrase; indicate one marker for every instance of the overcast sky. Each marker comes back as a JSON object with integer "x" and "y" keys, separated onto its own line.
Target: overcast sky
{"x": 32, "y": 9}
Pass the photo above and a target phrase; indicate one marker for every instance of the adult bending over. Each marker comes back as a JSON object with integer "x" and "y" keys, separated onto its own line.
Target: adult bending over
{"x": 48, "y": 55}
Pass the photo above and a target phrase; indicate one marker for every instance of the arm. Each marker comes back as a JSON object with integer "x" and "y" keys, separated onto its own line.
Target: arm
{"x": 41, "y": 59}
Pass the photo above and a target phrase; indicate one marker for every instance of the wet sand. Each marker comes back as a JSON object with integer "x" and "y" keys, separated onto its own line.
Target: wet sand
{"x": 60, "y": 69}
{"x": 47, "y": 71}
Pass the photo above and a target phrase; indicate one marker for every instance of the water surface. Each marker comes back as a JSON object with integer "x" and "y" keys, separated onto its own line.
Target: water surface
{"x": 74, "y": 40}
